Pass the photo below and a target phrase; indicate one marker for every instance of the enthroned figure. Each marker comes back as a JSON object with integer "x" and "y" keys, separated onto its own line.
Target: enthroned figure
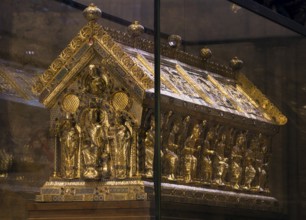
{"x": 170, "y": 157}
{"x": 189, "y": 160}
{"x": 97, "y": 84}
{"x": 260, "y": 162}
{"x": 249, "y": 170}
{"x": 206, "y": 161}
{"x": 95, "y": 151}
{"x": 220, "y": 161}
{"x": 182, "y": 134}
{"x": 181, "y": 138}
{"x": 235, "y": 167}
{"x": 149, "y": 148}
{"x": 99, "y": 128}
{"x": 90, "y": 159}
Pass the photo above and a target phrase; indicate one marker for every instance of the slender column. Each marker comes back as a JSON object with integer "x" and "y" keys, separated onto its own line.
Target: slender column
{"x": 55, "y": 155}
{"x": 56, "y": 146}
{"x": 157, "y": 159}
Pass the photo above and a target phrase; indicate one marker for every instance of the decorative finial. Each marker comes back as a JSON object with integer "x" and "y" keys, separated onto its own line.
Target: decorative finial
{"x": 135, "y": 29}
{"x": 236, "y": 64}
{"x": 205, "y": 53}
{"x": 174, "y": 41}
{"x": 92, "y": 12}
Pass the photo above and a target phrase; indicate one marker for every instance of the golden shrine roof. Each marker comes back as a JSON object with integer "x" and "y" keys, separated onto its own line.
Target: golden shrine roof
{"x": 16, "y": 82}
{"x": 186, "y": 77}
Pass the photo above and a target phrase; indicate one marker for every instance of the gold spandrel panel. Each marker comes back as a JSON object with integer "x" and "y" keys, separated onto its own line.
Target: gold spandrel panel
{"x": 206, "y": 87}
{"x": 245, "y": 103}
{"x": 166, "y": 84}
{"x": 193, "y": 84}
{"x": 180, "y": 83}
{"x": 223, "y": 91}
{"x": 214, "y": 93}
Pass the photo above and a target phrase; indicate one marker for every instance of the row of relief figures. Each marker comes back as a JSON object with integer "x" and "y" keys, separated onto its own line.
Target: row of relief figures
{"x": 203, "y": 152}
{"x": 109, "y": 146}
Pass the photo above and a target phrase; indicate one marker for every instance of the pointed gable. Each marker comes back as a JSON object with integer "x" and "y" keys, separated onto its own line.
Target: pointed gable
{"x": 185, "y": 77}
{"x": 91, "y": 42}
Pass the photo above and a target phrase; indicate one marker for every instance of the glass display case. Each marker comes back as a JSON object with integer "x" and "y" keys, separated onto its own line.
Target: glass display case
{"x": 78, "y": 120}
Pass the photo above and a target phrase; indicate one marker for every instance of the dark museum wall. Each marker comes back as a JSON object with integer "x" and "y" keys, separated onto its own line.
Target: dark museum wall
{"x": 26, "y": 139}
{"x": 33, "y": 33}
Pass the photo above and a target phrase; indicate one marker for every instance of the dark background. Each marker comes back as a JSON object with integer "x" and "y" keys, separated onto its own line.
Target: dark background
{"x": 274, "y": 60}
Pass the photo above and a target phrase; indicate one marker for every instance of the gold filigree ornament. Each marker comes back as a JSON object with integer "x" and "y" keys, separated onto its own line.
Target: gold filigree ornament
{"x": 67, "y": 53}
{"x": 47, "y": 76}
{"x": 117, "y": 51}
{"x": 120, "y": 101}
{"x": 86, "y": 32}
{"x": 137, "y": 72}
{"x": 127, "y": 61}
{"x": 147, "y": 82}
{"x": 107, "y": 40}
{"x": 57, "y": 64}
{"x": 70, "y": 103}
{"x": 75, "y": 43}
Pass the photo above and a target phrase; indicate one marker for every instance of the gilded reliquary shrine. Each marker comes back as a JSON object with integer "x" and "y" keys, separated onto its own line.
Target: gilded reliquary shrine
{"x": 217, "y": 128}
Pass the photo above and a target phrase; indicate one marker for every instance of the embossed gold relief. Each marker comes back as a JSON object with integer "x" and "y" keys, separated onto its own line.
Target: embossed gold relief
{"x": 170, "y": 156}
{"x": 63, "y": 58}
{"x": 208, "y": 154}
{"x": 190, "y": 150}
{"x": 125, "y": 62}
{"x": 149, "y": 148}
{"x": 99, "y": 92}
{"x": 70, "y": 146}
{"x": 50, "y": 99}
{"x": 95, "y": 135}
{"x": 55, "y": 191}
